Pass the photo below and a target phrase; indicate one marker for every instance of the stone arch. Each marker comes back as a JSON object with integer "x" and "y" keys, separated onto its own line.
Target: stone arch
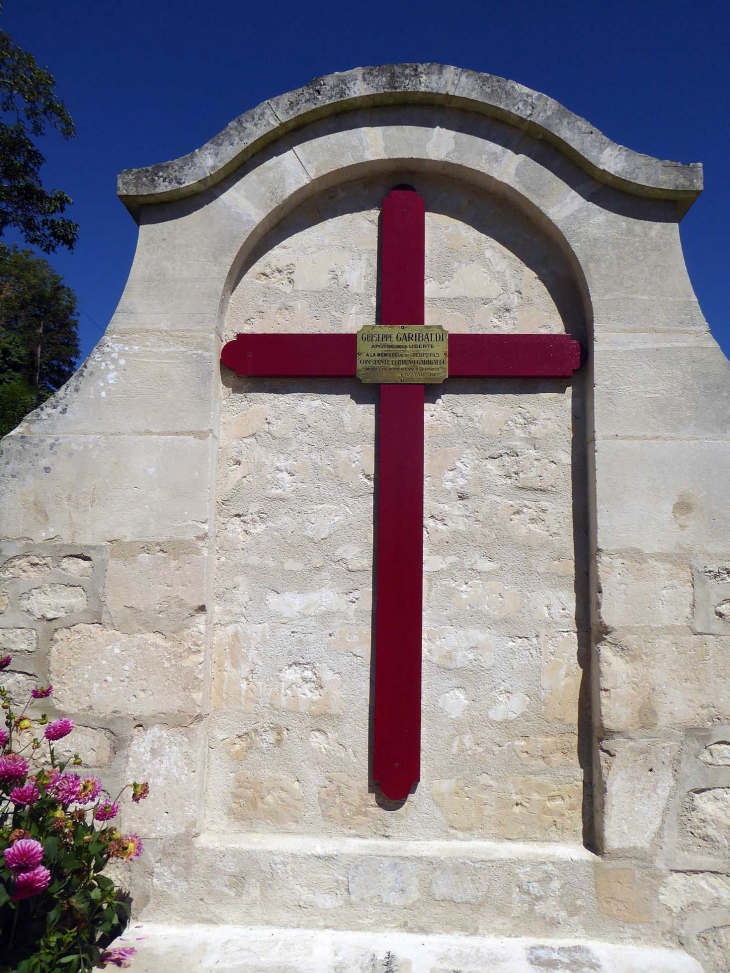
{"x": 118, "y": 470}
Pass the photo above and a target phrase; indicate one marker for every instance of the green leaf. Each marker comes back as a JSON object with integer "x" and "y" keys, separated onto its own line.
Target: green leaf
{"x": 50, "y": 846}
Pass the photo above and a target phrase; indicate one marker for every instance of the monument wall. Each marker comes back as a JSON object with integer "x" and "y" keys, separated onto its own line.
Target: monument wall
{"x": 188, "y": 555}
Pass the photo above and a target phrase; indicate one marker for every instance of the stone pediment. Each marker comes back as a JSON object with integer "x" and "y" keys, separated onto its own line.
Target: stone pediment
{"x": 413, "y": 84}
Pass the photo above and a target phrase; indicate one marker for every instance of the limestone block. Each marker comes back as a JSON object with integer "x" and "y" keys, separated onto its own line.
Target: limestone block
{"x": 275, "y": 800}
{"x": 642, "y": 250}
{"x": 538, "y": 752}
{"x": 125, "y": 387}
{"x": 687, "y": 892}
{"x": 711, "y": 597}
{"x": 638, "y": 779}
{"x": 52, "y": 488}
{"x": 715, "y": 948}
{"x": 168, "y": 758}
{"x": 77, "y": 565}
{"x": 621, "y": 893}
{"x": 635, "y": 690}
{"x": 619, "y": 314}
{"x": 52, "y": 601}
{"x": 716, "y": 754}
{"x": 534, "y": 809}
{"x": 391, "y": 880}
{"x": 19, "y": 685}
{"x": 649, "y": 390}
{"x": 102, "y": 672}
{"x": 643, "y": 591}
{"x": 561, "y": 677}
{"x": 18, "y": 640}
{"x": 662, "y": 496}
{"x": 465, "y": 882}
{"x": 155, "y": 586}
{"x": 462, "y": 803}
{"x": 96, "y": 747}
{"x": 25, "y": 566}
{"x": 304, "y": 688}
{"x": 271, "y": 180}
{"x": 179, "y": 303}
{"x": 704, "y": 826}
{"x": 526, "y": 808}
{"x": 348, "y": 802}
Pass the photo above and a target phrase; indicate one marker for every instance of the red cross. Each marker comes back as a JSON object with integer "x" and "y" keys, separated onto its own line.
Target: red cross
{"x": 399, "y": 539}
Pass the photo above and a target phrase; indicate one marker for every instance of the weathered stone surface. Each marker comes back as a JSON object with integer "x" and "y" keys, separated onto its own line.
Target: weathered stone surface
{"x": 399, "y": 83}
{"x": 77, "y": 565}
{"x": 685, "y": 480}
{"x": 25, "y": 566}
{"x": 636, "y": 694}
{"x": 644, "y": 591}
{"x": 96, "y": 747}
{"x": 230, "y": 650}
{"x": 684, "y": 893}
{"x": 716, "y": 754}
{"x": 712, "y": 597}
{"x": 621, "y": 893}
{"x": 155, "y": 587}
{"x": 51, "y": 601}
{"x": 167, "y": 757}
{"x": 392, "y": 881}
{"x": 62, "y": 501}
{"x": 705, "y": 823}
{"x": 18, "y": 639}
{"x": 638, "y": 779}
{"x": 273, "y": 800}
{"x": 102, "y": 672}
{"x": 715, "y": 947}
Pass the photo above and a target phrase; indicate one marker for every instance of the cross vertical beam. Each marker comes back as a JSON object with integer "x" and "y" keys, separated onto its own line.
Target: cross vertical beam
{"x": 399, "y": 543}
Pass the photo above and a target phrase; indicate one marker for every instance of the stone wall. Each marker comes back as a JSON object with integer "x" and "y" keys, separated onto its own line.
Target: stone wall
{"x": 503, "y": 650}
{"x": 203, "y": 609}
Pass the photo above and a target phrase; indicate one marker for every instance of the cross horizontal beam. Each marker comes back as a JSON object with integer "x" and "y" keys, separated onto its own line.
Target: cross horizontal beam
{"x": 470, "y": 355}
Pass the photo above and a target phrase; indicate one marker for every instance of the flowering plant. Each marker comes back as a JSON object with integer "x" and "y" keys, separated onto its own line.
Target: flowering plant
{"x": 58, "y": 912}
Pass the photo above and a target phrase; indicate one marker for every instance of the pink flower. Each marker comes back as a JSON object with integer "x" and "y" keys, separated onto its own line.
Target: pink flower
{"x": 106, "y": 811}
{"x": 118, "y": 956}
{"x": 90, "y": 790}
{"x": 3, "y": 738}
{"x": 129, "y": 847}
{"x": 26, "y": 795}
{"x": 5, "y": 662}
{"x": 67, "y": 788}
{"x": 31, "y": 883}
{"x": 24, "y": 855}
{"x": 13, "y": 767}
{"x": 59, "y": 729}
{"x": 41, "y": 693}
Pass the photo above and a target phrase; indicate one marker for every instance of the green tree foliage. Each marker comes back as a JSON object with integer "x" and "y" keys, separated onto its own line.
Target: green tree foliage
{"x": 39, "y": 341}
{"x": 28, "y": 106}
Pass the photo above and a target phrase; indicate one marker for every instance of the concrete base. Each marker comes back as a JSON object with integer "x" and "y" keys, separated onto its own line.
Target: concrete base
{"x": 238, "y": 949}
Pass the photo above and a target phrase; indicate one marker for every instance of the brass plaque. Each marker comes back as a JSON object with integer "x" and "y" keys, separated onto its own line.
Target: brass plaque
{"x": 398, "y": 354}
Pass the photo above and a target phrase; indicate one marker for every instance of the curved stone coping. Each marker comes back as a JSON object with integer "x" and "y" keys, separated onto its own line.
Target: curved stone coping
{"x": 398, "y": 84}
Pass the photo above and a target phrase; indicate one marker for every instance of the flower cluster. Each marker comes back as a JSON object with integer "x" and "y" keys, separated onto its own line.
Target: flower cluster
{"x": 55, "y": 841}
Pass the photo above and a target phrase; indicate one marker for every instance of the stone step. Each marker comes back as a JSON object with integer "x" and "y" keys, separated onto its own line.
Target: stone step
{"x": 476, "y": 887}
{"x": 239, "y": 949}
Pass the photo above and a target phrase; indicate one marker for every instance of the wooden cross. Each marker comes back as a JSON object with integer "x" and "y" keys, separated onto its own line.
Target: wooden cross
{"x": 399, "y": 524}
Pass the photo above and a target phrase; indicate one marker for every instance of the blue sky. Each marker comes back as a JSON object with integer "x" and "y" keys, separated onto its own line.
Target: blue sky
{"x": 149, "y": 81}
